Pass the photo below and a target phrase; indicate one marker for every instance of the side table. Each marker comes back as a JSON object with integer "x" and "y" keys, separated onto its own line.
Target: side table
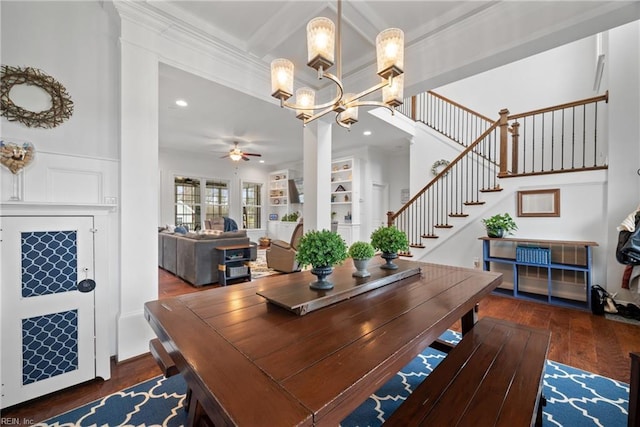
{"x": 233, "y": 263}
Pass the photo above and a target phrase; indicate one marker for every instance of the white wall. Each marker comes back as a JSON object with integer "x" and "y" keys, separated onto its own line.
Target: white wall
{"x": 84, "y": 57}
{"x": 623, "y": 190}
{"x": 560, "y": 75}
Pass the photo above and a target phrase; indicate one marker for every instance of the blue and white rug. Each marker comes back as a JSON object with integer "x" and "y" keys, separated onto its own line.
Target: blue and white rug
{"x": 574, "y": 398}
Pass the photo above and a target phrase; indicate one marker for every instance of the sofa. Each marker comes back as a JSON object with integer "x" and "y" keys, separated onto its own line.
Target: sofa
{"x": 193, "y": 256}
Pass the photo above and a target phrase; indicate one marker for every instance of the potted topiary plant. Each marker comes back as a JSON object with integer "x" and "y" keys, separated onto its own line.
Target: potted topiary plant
{"x": 389, "y": 240}
{"x": 361, "y": 253}
{"x": 499, "y": 225}
{"x": 322, "y": 250}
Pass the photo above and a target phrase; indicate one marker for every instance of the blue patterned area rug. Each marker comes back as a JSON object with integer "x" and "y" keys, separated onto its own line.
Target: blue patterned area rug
{"x": 574, "y": 398}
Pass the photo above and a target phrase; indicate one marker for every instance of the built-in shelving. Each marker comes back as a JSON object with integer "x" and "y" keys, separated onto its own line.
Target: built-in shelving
{"x": 278, "y": 194}
{"x": 556, "y": 272}
{"x": 345, "y": 198}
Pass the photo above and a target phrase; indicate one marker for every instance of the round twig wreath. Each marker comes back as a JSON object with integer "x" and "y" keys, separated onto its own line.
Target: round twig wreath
{"x": 435, "y": 168}
{"x": 61, "y": 104}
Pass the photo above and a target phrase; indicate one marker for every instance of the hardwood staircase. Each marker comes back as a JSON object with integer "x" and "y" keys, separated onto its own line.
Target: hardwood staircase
{"x": 558, "y": 139}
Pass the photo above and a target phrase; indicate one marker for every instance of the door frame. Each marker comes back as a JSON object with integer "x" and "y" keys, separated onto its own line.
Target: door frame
{"x": 104, "y": 284}
{"x": 385, "y": 201}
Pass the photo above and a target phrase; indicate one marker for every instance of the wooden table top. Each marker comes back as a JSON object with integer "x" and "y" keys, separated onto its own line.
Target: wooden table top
{"x": 252, "y": 363}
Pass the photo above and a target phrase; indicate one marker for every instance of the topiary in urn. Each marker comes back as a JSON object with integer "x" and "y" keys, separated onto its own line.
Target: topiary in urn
{"x": 389, "y": 240}
{"x": 361, "y": 253}
{"x": 321, "y": 250}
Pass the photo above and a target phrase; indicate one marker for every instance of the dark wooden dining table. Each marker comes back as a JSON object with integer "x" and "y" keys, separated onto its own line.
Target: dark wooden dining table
{"x": 249, "y": 362}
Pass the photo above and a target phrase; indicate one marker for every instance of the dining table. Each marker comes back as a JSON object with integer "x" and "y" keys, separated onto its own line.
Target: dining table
{"x": 250, "y": 361}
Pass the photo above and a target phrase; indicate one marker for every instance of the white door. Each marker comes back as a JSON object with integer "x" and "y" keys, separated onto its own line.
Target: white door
{"x": 379, "y": 205}
{"x": 47, "y": 323}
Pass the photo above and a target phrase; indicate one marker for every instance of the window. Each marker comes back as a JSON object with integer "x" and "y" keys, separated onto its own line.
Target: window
{"x": 187, "y": 207}
{"x": 216, "y": 199}
{"x": 251, "y": 205}
{"x": 189, "y": 194}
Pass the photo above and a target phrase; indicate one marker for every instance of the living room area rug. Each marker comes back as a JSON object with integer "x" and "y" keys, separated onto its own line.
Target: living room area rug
{"x": 574, "y": 398}
{"x": 259, "y": 266}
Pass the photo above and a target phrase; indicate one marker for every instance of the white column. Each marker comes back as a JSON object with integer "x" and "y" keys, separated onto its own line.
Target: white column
{"x": 138, "y": 196}
{"x": 622, "y": 79}
{"x": 317, "y": 176}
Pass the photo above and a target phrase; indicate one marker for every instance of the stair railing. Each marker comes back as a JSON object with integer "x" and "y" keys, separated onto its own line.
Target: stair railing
{"x": 443, "y": 115}
{"x": 562, "y": 138}
{"x": 459, "y": 184}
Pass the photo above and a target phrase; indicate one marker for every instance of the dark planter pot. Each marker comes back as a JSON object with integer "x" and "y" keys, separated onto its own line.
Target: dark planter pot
{"x": 496, "y": 233}
{"x": 321, "y": 273}
{"x": 389, "y": 257}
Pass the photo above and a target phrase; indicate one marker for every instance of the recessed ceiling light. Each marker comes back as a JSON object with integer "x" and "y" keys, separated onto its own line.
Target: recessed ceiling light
{"x": 181, "y": 103}
{"x": 366, "y": 133}
{"x": 261, "y": 161}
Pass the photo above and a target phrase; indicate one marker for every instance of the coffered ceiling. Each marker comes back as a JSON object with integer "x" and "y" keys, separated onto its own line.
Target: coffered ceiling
{"x": 444, "y": 41}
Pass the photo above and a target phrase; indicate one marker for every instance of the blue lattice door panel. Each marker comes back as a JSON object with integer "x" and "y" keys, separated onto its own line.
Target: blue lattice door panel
{"x": 47, "y": 323}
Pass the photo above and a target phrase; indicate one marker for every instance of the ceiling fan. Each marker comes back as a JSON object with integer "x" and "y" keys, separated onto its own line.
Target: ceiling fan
{"x": 236, "y": 154}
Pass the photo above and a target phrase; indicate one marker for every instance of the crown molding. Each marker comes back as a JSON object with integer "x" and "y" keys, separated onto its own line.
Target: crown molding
{"x": 177, "y": 42}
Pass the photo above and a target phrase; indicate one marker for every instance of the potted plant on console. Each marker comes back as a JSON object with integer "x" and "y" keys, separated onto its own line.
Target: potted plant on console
{"x": 499, "y": 225}
{"x": 389, "y": 240}
{"x": 322, "y": 250}
{"x": 361, "y": 253}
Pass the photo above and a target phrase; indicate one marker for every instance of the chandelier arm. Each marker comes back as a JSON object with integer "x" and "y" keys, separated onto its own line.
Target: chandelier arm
{"x": 371, "y": 104}
{"x": 369, "y": 91}
{"x": 344, "y": 125}
{"x": 335, "y": 101}
{"x": 322, "y": 113}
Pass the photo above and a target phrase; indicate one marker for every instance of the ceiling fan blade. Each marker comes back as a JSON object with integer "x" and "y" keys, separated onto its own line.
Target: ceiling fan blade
{"x": 224, "y": 157}
{"x": 252, "y": 154}
{"x": 245, "y": 158}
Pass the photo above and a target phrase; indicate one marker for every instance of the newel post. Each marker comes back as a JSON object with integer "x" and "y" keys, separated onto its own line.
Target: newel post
{"x": 389, "y": 219}
{"x": 504, "y": 140}
{"x": 515, "y": 137}
{"x": 414, "y": 115}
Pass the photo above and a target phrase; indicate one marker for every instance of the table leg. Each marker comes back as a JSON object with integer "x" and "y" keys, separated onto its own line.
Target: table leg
{"x": 196, "y": 415}
{"x": 469, "y": 319}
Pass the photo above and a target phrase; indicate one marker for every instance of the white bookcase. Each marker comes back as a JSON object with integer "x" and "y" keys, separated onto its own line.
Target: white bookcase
{"x": 280, "y": 205}
{"x": 345, "y": 198}
{"x": 278, "y": 194}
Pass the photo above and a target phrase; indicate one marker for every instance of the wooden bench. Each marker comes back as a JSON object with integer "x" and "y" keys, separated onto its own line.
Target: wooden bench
{"x": 162, "y": 358}
{"x": 634, "y": 391}
{"x": 493, "y": 377}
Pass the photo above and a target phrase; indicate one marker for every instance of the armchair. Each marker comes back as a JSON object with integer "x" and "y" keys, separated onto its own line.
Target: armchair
{"x": 281, "y": 256}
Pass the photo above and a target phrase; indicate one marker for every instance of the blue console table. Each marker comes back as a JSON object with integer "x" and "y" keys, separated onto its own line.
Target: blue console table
{"x": 531, "y": 261}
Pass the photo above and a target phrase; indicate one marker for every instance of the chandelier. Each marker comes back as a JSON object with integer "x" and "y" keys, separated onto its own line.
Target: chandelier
{"x": 321, "y": 39}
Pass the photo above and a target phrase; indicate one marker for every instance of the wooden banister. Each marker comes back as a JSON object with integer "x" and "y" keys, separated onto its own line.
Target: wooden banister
{"x": 585, "y": 101}
{"x": 462, "y": 107}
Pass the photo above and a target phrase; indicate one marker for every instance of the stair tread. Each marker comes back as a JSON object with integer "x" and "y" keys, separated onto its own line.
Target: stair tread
{"x": 491, "y": 190}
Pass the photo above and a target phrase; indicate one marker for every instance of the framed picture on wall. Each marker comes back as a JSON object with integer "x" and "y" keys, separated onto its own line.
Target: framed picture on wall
{"x": 539, "y": 203}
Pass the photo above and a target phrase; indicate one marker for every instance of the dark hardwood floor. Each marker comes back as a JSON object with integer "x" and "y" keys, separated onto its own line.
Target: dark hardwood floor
{"x": 579, "y": 339}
